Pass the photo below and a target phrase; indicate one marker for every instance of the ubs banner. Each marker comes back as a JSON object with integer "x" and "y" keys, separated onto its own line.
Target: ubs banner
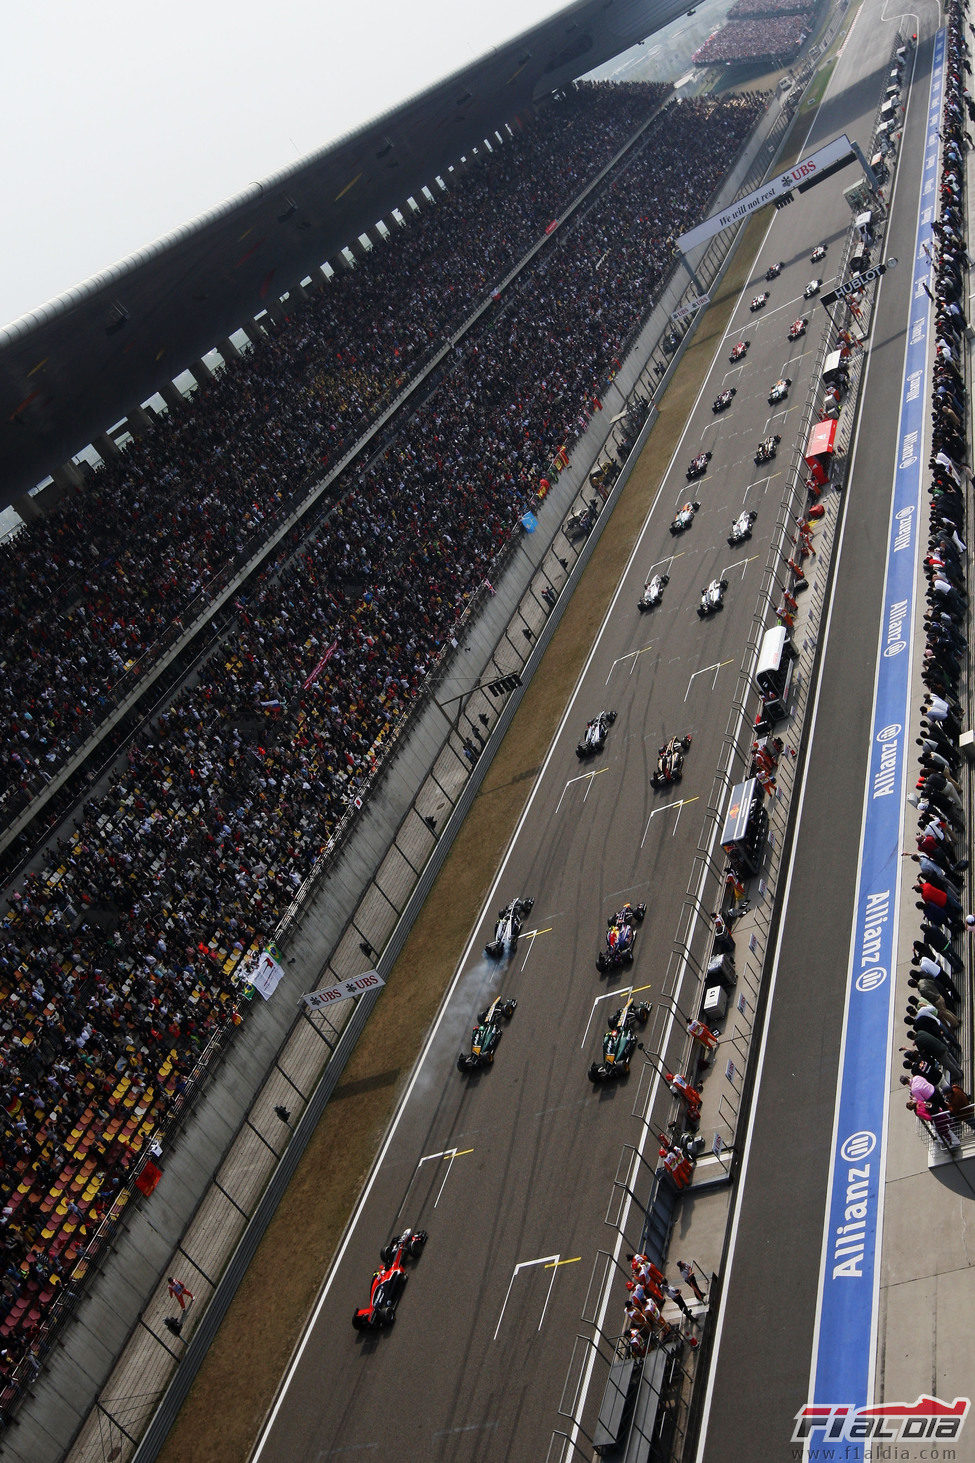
{"x": 343, "y": 989}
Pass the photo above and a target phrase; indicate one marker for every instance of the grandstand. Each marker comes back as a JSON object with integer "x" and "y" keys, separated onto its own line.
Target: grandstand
{"x": 760, "y": 32}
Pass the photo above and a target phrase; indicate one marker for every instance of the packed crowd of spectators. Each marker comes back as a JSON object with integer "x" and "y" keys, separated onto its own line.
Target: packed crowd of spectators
{"x": 772, "y": 37}
{"x": 935, "y": 1074}
{"x": 119, "y": 955}
{"x": 746, "y": 9}
{"x": 88, "y": 595}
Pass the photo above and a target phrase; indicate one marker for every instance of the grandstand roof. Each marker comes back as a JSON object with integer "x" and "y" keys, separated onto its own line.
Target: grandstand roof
{"x": 73, "y": 368}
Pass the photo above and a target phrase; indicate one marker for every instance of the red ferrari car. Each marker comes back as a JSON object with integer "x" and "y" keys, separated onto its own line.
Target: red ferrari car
{"x": 389, "y": 1282}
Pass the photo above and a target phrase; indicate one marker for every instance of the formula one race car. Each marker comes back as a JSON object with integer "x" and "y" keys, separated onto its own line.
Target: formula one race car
{"x": 818, "y": 253}
{"x": 812, "y": 288}
{"x": 798, "y": 327}
{"x": 486, "y": 1035}
{"x": 773, "y": 271}
{"x": 594, "y": 736}
{"x": 759, "y": 302}
{"x": 670, "y": 762}
{"x": 698, "y": 466}
{"x": 737, "y": 351}
{"x": 620, "y": 1041}
{"x": 684, "y": 517}
{"x": 722, "y": 402}
{"x": 767, "y": 449}
{"x": 653, "y": 592}
{"x": 389, "y": 1282}
{"x": 780, "y": 390}
{"x": 741, "y": 529}
{"x": 712, "y": 598}
{"x": 620, "y": 935}
{"x": 508, "y": 927}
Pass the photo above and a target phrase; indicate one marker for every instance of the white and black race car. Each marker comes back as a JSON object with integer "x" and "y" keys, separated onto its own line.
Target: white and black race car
{"x": 698, "y": 466}
{"x": 812, "y": 288}
{"x": 741, "y": 529}
{"x": 712, "y": 598}
{"x": 780, "y": 390}
{"x": 722, "y": 402}
{"x": 653, "y": 592}
{"x": 818, "y": 253}
{"x": 684, "y": 517}
{"x": 767, "y": 449}
{"x": 759, "y": 302}
{"x": 508, "y": 927}
{"x": 773, "y": 271}
{"x": 595, "y": 734}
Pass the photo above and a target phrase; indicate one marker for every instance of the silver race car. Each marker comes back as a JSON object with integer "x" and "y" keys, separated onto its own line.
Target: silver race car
{"x": 712, "y": 598}
{"x": 653, "y": 592}
{"x": 741, "y": 529}
{"x": 508, "y": 927}
{"x": 595, "y": 734}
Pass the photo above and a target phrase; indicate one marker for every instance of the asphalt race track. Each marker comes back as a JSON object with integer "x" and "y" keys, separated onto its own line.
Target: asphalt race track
{"x": 511, "y": 1170}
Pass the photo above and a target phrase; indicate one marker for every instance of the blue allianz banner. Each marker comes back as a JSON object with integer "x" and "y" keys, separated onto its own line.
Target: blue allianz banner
{"x": 845, "y": 1343}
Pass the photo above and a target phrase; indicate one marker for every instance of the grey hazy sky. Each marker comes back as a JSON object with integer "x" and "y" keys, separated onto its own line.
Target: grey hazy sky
{"x": 123, "y": 120}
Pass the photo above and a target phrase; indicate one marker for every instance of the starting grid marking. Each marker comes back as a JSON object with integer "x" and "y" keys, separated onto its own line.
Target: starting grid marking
{"x": 744, "y": 566}
{"x": 632, "y": 655}
{"x": 716, "y": 667}
{"x": 583, "y": 777}
{"x": 550, "y": 1262}
{"x": 681, "y": 803}
{"x": 783, "y": 413}
{"x": 666, "y": 564}
{"x": 447, "y": 1156}
{"x": 762, "y": 483}
{"x": 531, "y": 936}
{"x": 622, "y": 996}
